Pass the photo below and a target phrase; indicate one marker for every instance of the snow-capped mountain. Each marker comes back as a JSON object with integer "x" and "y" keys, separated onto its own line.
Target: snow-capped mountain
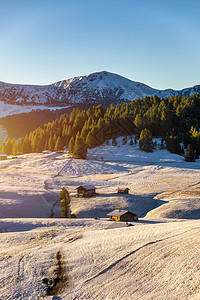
{"x": 101, "y": 87}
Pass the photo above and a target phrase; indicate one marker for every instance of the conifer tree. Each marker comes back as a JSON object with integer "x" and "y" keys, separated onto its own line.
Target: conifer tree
{"x": 46, "y": 145}
{"x": 19, "y": 146}
{"x": 145, "y": 141}
{"x": 26, "y": 145}
{"x": 39, "y": 146}
{"x": 59, "y": 144}
{"x": 114, "y": 142}
{"x": 91, "y": 141}
{"x": 189, "y": 154}
{"x": 8, "y": 147}
{"x": 173, "y": 145}
{"x": 2, "y": 148}
{"x": 80, "y": 149}
{"x": 64, "y": 202}
{"x": 124, "y": 140}
{"x": 135, "y": 140}
{"x": 71, "y": 145}
{"x": 162, "y": 144}
{"x": 51, "y": 143}
{"x": 14, "y": 148}
{"x": 73, "y": 116}
{"x": 85, "y": 131}
{"x": 139, "y": 122}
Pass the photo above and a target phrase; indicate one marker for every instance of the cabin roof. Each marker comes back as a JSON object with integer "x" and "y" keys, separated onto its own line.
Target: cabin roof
{"x": 87, "y": 187}
{"x": 123, "y": 188}
{"x": 119, "y": 213}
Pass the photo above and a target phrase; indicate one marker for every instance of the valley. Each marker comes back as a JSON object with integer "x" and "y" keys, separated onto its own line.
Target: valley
{"x": 156, "y": 258}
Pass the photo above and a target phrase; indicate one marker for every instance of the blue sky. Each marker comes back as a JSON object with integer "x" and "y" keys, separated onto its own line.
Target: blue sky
{"x": 151, "y": 41}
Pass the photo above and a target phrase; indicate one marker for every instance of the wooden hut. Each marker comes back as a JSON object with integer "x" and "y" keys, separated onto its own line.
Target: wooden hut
{"x": 3, "y": 156}
{"x": 123, "y": 190}
{"x": 86, "y": 191}
{"x": 122, "y": 215}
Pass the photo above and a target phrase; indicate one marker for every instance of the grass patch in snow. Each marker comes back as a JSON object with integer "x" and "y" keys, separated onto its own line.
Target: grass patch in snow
{"x": 58, "y": 280}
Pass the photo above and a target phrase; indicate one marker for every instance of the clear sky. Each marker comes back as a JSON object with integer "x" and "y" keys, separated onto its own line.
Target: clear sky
{"x": 156, "y": 42}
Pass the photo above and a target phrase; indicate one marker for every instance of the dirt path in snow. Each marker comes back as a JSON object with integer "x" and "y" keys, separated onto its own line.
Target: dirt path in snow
{"x": 47, "y": 188}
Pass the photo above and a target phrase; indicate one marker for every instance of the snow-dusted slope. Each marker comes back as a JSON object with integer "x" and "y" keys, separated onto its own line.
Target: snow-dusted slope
{"x": 31, "y": 183}
{"x": 153, "y": 262}
{"x": 100, "y": 87}
{"x": 156, "y": 258}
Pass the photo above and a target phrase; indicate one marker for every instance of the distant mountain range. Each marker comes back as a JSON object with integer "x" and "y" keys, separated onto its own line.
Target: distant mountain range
{"x": 97, "y": 88}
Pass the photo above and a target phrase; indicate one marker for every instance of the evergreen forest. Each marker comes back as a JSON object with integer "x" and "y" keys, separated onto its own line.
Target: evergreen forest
{"x": 176, "y": 119}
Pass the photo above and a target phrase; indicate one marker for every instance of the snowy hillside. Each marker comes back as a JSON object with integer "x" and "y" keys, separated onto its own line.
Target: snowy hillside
{"x": 101, "y": 87}
{"x": 155, "y": 261}
{"x": 86, "y": 258}
{"x": 30, "y": 184}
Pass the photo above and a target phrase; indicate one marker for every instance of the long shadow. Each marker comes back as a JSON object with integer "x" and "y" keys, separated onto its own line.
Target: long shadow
{"x": 165, "y": 162}
{"x": 149, "y": 221}
{"x": 138, "y": 204}
{"x": 19, "y": 205}
{"x": 186, "y": 215}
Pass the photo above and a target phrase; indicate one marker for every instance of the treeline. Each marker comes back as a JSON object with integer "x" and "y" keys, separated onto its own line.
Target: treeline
{"x": 176, "y": 119}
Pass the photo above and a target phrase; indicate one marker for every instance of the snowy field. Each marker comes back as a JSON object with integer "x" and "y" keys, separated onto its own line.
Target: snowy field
{"x": 156, "y": 258}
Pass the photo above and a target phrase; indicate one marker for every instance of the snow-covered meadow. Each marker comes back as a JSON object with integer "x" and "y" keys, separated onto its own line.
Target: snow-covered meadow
{"x": 157, "y": 258}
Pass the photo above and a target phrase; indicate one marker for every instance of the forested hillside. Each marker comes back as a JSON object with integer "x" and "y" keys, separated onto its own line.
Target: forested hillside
{"x": 176, "y": 119}
{"x": 19, "y": 125}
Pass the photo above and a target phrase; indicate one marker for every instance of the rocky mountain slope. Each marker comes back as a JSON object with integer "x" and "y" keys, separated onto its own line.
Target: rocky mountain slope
{"x": 101, "y": 87}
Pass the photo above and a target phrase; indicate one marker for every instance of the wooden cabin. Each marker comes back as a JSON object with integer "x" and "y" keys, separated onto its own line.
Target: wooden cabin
{"x": 123, "y": 215}
{"x": 86, "y": 191}
{"x": 3, "y": 156}
{"x": 123, "y": 190}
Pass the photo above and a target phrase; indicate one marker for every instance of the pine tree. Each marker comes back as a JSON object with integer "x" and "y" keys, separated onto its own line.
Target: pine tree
{"x": 80, "y": 149}
{"x": 189, "y": 154}
{"x": 162, "y": 144}
{"x": 59, "y": 144}
{"x": 124, "y": 140}
{"x": 114, "y": 142}
{"x": 8, "y": 147}
{"x": 46, "y": 145}
{"x": 139, "y": 122}
{"x": 71, "y": 145}
{"x": 173, "y": 145}
{"x": 39, "y": 146}
{"x": 135, "y": 140}
{"x": 145, "y": 141}
{"x": 91, "y": 141}
{"x": 51, "y": 144}
{"x": 14, "y": 148}
{"x": 19, "y": 146}
{"x": 64, "y": 202}
{"x": 2, "y": 148}
{"x": 26, "y": 145}
{"x": 85, "y": 130}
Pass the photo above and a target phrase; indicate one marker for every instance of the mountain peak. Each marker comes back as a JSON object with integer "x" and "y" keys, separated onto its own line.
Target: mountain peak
{"x": 100, "y": 87}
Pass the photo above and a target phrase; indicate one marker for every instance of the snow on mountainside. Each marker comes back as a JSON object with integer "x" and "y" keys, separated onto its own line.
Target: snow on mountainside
{"x": 101, "y": 87}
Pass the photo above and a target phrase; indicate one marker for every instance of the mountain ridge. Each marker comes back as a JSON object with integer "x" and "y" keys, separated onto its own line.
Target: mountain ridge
{"x": 96, "y": 88}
